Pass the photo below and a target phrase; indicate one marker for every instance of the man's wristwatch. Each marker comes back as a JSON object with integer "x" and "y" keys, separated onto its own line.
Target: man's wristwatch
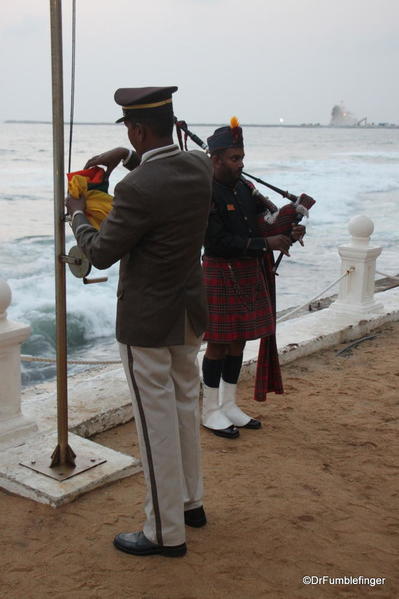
{"x": 128, "y": 157}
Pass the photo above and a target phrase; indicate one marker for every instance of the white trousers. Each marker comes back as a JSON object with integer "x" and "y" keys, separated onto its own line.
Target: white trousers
{"x": 164, "y": 383}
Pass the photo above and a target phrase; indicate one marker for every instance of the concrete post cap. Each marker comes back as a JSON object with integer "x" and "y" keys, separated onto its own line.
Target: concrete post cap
{"x": 361, "y": 226}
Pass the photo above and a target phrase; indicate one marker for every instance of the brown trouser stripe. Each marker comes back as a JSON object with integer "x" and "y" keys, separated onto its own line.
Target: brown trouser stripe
{"x": 154, "y": 492}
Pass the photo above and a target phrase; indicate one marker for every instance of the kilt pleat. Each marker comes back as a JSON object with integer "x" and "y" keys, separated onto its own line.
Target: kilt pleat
{"x": 240, "y": 308}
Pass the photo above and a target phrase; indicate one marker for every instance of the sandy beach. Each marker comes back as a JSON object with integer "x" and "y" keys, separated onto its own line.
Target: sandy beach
{"x": 315, "y": 492}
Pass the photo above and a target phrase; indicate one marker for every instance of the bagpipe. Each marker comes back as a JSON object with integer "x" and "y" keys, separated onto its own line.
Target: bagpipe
{"x": 274, "y": 221}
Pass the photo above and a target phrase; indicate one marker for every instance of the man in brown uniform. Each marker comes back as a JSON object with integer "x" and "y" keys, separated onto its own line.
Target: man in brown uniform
{"x": 156, "y": 229}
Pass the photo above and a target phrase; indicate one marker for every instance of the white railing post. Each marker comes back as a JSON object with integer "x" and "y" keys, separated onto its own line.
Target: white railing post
{"x": 14, "y": 427}
{"x": 356, "y": 291}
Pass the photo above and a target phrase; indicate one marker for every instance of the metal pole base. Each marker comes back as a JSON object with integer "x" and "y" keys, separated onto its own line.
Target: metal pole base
{"x": 63, "y": 471}
{"x": 63, "y": 456}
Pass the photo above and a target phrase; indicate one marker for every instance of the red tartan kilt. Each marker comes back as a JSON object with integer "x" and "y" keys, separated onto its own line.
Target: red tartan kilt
{"x": 239, "y": 302}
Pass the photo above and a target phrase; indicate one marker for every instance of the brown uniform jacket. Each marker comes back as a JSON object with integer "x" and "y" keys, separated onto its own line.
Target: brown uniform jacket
{"x": 156, "y": 229}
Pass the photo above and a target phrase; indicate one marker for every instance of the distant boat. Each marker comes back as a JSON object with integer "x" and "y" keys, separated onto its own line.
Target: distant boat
{"x": 340, "y": 117}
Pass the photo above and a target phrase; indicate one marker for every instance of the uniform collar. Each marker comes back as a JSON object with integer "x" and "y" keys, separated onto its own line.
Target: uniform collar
{"x": 230, "y": 186}
{"x": 158, "y": 153}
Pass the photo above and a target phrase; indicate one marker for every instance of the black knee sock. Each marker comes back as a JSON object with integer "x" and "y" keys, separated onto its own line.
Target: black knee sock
{"x": 211, "y": 371}
{"x": 231, "y": 368}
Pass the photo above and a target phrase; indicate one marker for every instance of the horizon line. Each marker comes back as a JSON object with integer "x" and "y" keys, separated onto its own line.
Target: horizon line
{"x": 380, "y": 125}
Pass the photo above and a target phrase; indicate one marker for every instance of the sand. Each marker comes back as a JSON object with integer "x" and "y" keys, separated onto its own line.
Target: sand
{"x": 313, "y": 493}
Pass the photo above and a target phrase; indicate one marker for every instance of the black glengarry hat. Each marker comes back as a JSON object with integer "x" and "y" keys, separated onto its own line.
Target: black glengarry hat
{"x": 145, "y": 101}
{"x": 226, "y": 137}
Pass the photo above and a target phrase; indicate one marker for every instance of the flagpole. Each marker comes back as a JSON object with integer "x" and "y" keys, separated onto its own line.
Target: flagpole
{"x": 62, "y": 454}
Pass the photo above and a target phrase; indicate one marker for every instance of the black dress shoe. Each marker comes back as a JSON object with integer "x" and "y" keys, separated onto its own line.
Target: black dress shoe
{"x": 137, "y": 543}
{"x": 231, "y": 432}
{"x": 252, "y": 424}
{"x": 195, "y": 517}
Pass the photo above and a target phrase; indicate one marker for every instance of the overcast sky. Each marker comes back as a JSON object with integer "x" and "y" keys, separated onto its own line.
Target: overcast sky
{"x": 263, "y": 60}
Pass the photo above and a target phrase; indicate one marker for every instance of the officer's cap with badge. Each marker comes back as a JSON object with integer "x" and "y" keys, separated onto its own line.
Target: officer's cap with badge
{"x": 226, "y": 137}
{"x": 145, "y": 102}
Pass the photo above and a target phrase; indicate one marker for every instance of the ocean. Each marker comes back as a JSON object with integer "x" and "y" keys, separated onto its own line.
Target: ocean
{"x": 347, "y": 171}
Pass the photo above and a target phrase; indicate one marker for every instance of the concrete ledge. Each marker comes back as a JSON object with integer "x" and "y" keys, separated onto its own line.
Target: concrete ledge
{"x": 15, "y": 431}
{"x": 315, "y": 331}
{"x": 319, "y": 330}
{"x": 100, "y": 400}
{"x": 23, "y": 481}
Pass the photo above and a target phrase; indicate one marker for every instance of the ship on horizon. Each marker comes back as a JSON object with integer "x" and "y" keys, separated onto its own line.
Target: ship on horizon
{"x": 341, "y": 117}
